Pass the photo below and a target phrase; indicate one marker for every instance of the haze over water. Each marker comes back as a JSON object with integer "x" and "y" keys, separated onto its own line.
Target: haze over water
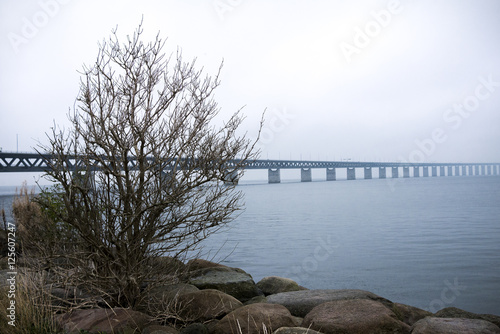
{"x": 426, "y": 242}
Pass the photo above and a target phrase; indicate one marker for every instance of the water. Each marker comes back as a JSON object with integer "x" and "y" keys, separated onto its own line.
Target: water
{"x": 426, "y": 242}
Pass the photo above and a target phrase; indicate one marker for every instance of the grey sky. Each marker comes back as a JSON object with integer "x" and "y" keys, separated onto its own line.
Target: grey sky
{"x": 366, "y": 80}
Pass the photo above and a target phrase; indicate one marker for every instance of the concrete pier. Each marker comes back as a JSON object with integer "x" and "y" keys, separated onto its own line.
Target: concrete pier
{"x": 406, "y": 172}
{"x": 457, "y": 171}
{"x": 416, "y": 171}
{"x": 483, "y": 170}
{"x": 382, "y": 172}
{"x": 273, "y": 175}
{"x": 425, "y": 171}
{"x": 434, "y": 171}
{"x": 441, "y": 171}
{"x": 331, "y": 174}
{"x": 305, "y": 175}
{"x": 368, "y": 173}
{"x": 464, "y": 170}
{"x": 351, "y": 173}
{"x": 471, "y": 170}
{"x": 450, "y": 170}
{"x": 395, "y": 172}
{"x": 476, "y": 170}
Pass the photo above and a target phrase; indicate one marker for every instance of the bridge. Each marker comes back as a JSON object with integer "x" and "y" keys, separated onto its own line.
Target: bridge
{"x": 34, "y": 162}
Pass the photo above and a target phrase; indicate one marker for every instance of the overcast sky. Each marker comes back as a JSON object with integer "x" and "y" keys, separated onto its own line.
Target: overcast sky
{"x": 365, "y": 80}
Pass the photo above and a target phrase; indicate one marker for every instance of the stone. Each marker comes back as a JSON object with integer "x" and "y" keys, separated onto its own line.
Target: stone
{"x": 205, "y": 305}
{"x": 409, "y": 314}
{"x": 69, "y": 295}
{"x": 196, "y": 328}
{"x": 163, "y": 298}
{"x": 354, "y": 316}
{"x": 103, "y": 320}
{"x": 300, "y": 303}
{"x": 196, "y": 264}
{"x": 255, "y": 300}
{"x": 295, "y": 330}
{"x": 273, "y": 284}
{"x": 255, "y": 318}
{"x": 453, "y": 312}
{"x": 232, "y": 281}
{"x": 157, "y": 329}
{"x": 433, "y": 325}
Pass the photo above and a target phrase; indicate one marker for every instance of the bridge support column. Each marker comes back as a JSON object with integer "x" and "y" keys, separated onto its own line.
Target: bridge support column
{"x": 434, "y": 171}
{"x": 395, "y": 172}
{"x": 351, "y": 173}
{"x": 483, "y": 170}
{"x": 305, "y": 175}
{"x": 471, "y": 170}
{"x": 441, "y": 171}
{"x": 488, "y": 168}
{"x": 382, "y": 172}
{"x": 231, "y": 177}
{"x": 457, "y": 170}
{"x": 331, "y": 174}
{"x": 416, "y": 171}
{"x": 426, "y": 171}
{"x": 273, "y": 175}
{"x": 406, "y": 172}
{"x": 476, "y": 170}
{"x": 464, "y": 170}
{"x": 450, "y": 170}
{"x": 368, "y": 173}
{"x": 496, "y": 169}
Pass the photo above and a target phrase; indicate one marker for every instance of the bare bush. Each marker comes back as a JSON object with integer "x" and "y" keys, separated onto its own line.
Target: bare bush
{"x": 143, "y": 168}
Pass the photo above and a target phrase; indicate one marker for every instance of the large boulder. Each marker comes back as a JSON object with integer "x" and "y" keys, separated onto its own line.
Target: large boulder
{"x": 295, "y": 330}
{"x": 273, "y": 284}
{"x": 205, "y": 305}
{"x": 255, "y": 318}
{"x": 232, "y": 281}
{"x": 117, "y": 320}
{"x": 300, "y": 303}
{"x": 453, "y": 312}
{"x": 157, "y": 329}
{"x": 433, "y": 325}
{"x": 355, "y": 316}
{"x": 196, "y": 264}
{"x": 409, "y": 314}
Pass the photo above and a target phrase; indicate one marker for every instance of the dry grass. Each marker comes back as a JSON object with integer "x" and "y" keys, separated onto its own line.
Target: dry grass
{"x": 33, "y": 311}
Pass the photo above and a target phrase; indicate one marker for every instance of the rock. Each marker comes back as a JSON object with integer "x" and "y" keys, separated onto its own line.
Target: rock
{"x": 409, "y": 314}
{"x": 254, "y": 318}
{"x": 157, "y": 329}
{"x": 274, "y": 284}
{"x": 205, "y": 305}
{"x": 103, "y": 320}
{"x": 195, "y": 328}
{"x": 162, "y": 299}
{"x": 355, "y": 316}
{"x": 295, "y": 330}
{"x": 453, "y": 312}
{"x": 196, "y": 264}
{"x": 255, "y": 300}
{"x": 300, "y": 303}
{"x": 433, "y": 325}
{"x": 69, "y": 295}
{"x": 232, "y": 281}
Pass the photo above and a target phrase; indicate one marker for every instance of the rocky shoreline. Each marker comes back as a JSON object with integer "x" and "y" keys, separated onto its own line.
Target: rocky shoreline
{"x": 216, "y": 299}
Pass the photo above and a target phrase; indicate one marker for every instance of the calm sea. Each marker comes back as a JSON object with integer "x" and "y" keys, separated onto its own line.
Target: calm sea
{"x": 426, "y": 242}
